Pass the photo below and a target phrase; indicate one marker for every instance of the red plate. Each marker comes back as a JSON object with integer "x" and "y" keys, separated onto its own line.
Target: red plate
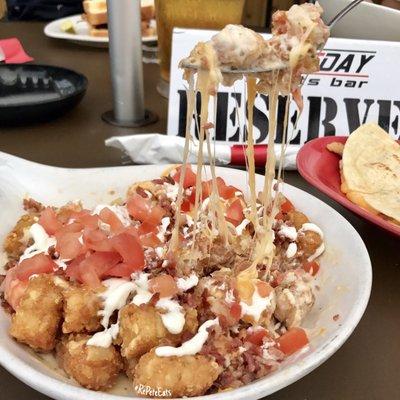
{"x": 320, "y": 167}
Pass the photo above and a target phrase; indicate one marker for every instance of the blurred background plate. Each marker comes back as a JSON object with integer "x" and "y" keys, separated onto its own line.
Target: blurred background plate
{"x": 54, "y": 30}
{"x": 36, "y": 93}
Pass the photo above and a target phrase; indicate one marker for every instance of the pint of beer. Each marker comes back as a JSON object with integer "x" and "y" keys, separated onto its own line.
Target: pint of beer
{"x": 207, "y": 14}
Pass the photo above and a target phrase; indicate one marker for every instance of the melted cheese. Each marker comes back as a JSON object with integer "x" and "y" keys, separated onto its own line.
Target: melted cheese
{"x": 190, "y": 93}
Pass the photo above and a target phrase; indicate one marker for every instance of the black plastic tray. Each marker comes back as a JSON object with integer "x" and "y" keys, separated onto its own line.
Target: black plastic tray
{"x": 37, "y": 93}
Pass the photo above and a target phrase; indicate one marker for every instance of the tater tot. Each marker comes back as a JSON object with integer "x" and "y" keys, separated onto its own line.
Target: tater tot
{"x": 297, "y": 218}
{"x": 92, "y": 367}
{"x": 309, "y": 243}
{"x": 15, "y": 242}
{"x": 129, "y": 367}
{"x": 81, "y": 307}
{"x": 37, "y": 318}
{"x": 141, "y": 329}
{"x": 180, "y": 376}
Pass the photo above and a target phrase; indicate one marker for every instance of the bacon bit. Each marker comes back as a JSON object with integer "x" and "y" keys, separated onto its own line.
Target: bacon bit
{"x": 141, "y": 192}
{"x": 278, "y": 279}
{"x": 32, "y": 205}
{"x": 208, "y": 125}
{"x": 336, "y": 317}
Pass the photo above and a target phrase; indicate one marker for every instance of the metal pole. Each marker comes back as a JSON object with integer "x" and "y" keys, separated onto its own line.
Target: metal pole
{"x": 125, "y": 49}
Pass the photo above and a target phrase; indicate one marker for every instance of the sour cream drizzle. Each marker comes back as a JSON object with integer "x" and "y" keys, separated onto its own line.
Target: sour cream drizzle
{"x": 142, "y": 296}
{"x": 162, "y": 230}
{"x": 174, "y": 318}
{"x": 114, "y": 298}
{"x": 257, "y": 306}
{"x": 42, "y": 242}
{"x": 288, "y": 232}
{"x": 185, "y": 284}
{"x": 242, "y": 226}
{"x": 291, "y": 250}
{"x": 190, "y": 347}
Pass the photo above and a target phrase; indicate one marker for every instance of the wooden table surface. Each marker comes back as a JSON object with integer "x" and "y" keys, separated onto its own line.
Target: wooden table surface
{"x": 366, "y": 367}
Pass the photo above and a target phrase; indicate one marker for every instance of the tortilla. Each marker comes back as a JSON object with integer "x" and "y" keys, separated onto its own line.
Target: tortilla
{"x": 371, "y": 170}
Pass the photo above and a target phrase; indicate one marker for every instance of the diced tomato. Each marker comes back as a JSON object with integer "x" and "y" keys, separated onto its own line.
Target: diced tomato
{"x": 13, "y": 288}
{"x": 96, "y": 240}
{"x": 69, "y": 245}
{"x": 312, "y": 267}
{"x": 264, "y": 289}
{"x": 90, "y": 221}
{"x": 287, "y": 206}
{"x": 130, "y": 249}
{"x": 131, "y": 230}
{"x": 234, "y": 213}
{"x": 72, "y": 270}
{"x": 156, "y": 215}
{"x": 236, "y": 310}
{"x": 257, "y": 336}
{"x": 279, "y": 216}
{"x": 38, "y": 264}
{"x": 48, "y": 219}
{"x": 150, "y": 240}
{"x": 164, "y": 284}
{"x": 109, "y": 217}
{"x": 293, "y": 340}
{"x": 190, "y": 176}
{"x": 98, "y": 263}
{"x": 186, "y": 205}
{"x": 278, "y": 279}
{"x": 228, "y": 192}
{"x": 121, "y": 270}
{"x": 147, "y": 227}
{"x": 89, "y": 277}
{"x": 142, "y": 210}
{"x": 206, "y": 188}
{"x": 138, "y": 207}
{"x": 73, "y": 227}
{"x": 225, "y": 191}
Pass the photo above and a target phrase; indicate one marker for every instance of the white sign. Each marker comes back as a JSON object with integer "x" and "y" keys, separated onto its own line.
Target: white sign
{"x": 359, "y": 82}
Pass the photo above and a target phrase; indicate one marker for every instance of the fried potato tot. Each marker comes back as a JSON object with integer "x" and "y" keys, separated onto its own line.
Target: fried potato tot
{"x": 309, "y": 243}
{"x": 129, "y": 367}
{"x": 181, "y": 376}
{"x": 297, "y": 218}
{"x": 92, "y": 367}
{"x": 81, "y": 307}
{"x": 15, "y": 242}
{"x": 141, "y": 329}
{"x": 37, "y": 318}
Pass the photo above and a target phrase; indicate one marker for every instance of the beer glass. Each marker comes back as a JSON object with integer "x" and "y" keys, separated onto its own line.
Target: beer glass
{"x": 206, "y": 14}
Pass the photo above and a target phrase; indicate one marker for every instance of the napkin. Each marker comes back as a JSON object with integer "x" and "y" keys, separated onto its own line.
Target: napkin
{"x": 13, "y": 51}
{"x": 154, "y": 148}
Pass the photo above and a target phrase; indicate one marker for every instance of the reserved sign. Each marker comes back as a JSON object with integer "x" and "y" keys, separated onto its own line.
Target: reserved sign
{"x": 359, "y": 82}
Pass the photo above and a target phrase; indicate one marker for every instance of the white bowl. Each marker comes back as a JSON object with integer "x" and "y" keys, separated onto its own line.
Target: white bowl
{"x": 344, "y": 279}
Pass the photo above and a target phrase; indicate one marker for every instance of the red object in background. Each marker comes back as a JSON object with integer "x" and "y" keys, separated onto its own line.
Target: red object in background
{"x": 320, "y": 167}
{"x": 238, "y": 156}
{"x": 14, "y": 52}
